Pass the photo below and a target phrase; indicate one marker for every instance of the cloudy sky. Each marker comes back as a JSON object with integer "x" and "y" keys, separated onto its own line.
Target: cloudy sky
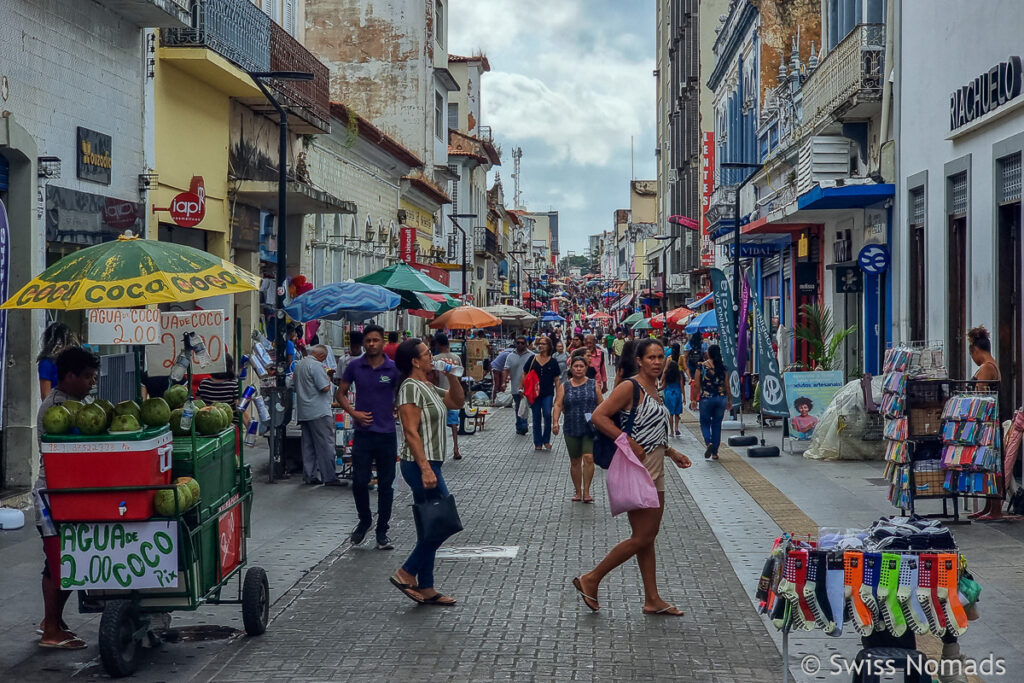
{"x": 570, "y": 82}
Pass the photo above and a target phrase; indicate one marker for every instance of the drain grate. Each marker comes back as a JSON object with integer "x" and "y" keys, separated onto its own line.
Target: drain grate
{"x": 482, "y": 552}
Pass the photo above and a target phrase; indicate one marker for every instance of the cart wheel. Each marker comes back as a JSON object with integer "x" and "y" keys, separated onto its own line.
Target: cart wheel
{"x": 118, "y": 645}
{"x": 255, "y": 601}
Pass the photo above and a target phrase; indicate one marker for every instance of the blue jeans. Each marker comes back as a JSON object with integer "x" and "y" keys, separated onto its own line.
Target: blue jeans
{"x": 712, "y": 410}
{"x": 522, "y": 424}
{"x": 542, "y": 413}
{"x": 421, "y": 561}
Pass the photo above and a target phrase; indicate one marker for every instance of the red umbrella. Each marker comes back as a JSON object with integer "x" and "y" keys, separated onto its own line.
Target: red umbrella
{"x": 677, "y": 315}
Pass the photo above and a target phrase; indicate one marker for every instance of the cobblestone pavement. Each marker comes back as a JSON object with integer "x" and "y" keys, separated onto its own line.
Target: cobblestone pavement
{"x": 516, "y": 618}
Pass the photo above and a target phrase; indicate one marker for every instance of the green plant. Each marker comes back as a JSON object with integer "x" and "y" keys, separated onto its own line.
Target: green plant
{"x": 818, "y": 330}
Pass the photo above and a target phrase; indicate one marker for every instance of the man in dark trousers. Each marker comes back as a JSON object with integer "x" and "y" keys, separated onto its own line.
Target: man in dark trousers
{"x": 375, "y": 441}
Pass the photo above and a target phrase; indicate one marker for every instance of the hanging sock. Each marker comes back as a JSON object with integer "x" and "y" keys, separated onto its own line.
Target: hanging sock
{"x": 888, "y": 594}
{"x": 836, "y": 596}
{"x": 853, "y": 579}
{"x": 926, "y": 577}
{"x": 946, "y": 589}
{"x": 794, "y": 576}
{"x": 917, "y": 620}
{"x": 816, "y": 570}
{"x": 869, "y": 588}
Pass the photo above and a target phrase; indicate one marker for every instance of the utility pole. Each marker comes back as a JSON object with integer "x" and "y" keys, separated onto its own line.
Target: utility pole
{"x": 455, "y": 222}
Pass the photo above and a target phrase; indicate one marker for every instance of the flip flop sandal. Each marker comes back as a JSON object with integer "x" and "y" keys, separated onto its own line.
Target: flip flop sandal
{"x": 665, "y": 611}
{"x": 588, "y": 499}
{"x": 436, "y": 600}
{"x": 406, "y": 590}
{"x": 67, "y": 644}
{"x": 576, "y": 499}
{"x": 579, "y": 589}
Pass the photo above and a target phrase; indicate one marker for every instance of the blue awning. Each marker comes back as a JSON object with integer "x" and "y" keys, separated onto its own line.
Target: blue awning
{"x": 846, "y": 197}
{"x": 699, "y": 302}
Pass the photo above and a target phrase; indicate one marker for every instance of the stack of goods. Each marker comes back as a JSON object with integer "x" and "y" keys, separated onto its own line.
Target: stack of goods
{"x": 971, "y": 452}
{"x": 902, "y": 573}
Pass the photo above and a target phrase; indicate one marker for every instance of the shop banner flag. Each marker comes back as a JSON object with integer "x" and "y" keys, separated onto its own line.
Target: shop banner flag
{"x": 742, "y": 331}
{"x": 726, "y": 331}
{"x": 5, "y": 270}
{"x": 773, "y": 392}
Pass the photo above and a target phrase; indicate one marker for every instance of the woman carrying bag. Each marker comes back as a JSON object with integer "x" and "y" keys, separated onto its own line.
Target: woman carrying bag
{"x": 648, "y": 438}
{"x": 547, "y": 371}
{"x": 715, "y": 398}
{"x": 423, "y": 408}
{"x": 577, "y": 398}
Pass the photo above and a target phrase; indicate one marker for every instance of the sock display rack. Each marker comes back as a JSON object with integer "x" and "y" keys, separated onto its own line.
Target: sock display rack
{"x": 972, "y": 456}
{"x": 900, "y": 574}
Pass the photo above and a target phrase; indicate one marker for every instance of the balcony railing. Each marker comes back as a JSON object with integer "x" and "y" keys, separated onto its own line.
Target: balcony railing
{"x": 484, "y": 133}
{"x": 485, "y": 242}
{"x": 723, "y": 204}
{"x": 850, "y": 74}
{"x": 240, "y": 32}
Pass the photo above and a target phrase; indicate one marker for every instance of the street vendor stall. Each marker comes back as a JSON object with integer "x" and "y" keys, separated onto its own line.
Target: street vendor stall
{"x": 151, "y": 503}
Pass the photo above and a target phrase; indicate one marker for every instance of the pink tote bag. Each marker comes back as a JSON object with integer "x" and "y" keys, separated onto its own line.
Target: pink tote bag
{"x": 630, "y": 486}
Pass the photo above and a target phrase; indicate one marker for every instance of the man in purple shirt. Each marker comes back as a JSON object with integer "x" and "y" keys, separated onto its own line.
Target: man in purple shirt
{"x": 375, "y": 442}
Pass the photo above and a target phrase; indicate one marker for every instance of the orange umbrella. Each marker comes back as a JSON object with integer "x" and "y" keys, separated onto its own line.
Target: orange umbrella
{"x": 465, "y": 318}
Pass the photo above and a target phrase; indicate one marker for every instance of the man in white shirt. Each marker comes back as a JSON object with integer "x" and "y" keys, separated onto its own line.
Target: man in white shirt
{"x": 514, "y": 365}
{"x": 316, "y": 417}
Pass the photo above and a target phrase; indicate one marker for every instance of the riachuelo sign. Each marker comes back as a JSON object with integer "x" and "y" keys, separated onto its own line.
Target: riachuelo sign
{"x": 117, "y": 555}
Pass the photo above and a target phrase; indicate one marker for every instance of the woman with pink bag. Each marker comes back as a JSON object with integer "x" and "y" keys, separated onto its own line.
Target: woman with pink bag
{"x": 648, "y": 439}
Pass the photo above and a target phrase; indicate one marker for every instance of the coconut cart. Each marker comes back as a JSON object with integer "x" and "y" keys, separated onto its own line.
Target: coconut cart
{"x": 149, "y": 523}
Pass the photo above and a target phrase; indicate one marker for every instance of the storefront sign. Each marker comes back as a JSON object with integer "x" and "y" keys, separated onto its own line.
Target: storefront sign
{"x": 120, "y": 556}
{"x": 707, "y": 247}
{"x": 189, "y": 208}
{"x": 407, "y": 244}
{"x": 209, "y": 325}
{"x": 752, "y": 250}
{"x": 124, "y": 325}
{"x": 439, "y": 274}
{"x": 849, "y": 280}
{"x": 94, "y": 160}
{"x": 773, "y": 394}
{"x": 987, "y": 92}
{"x": 807, "y": 279}
{"x": 82, "y": 218}
{"x": 873, "y": 259}
{"x": 5, "y": 270}
{"x": 726, "y": 330}
{"x": 120, "y": 214}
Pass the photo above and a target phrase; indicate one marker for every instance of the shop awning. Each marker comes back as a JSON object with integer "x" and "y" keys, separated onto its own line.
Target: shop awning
{"x": 302, "y": 198}
{"x": 697, "y": 303}
{"x": 763, "y": 229}
{"x": 622, "y": 303}
{"x": 846, "y": 197}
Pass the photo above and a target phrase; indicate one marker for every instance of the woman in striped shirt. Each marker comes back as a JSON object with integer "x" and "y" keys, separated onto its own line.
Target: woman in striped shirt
{"x": 649, "y": 440}
{"x": 423, "y": 408}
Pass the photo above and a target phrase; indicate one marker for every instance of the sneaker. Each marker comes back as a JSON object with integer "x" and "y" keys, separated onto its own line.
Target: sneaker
{"x": 384, "y": 543}
{"x": 358, "y": 534}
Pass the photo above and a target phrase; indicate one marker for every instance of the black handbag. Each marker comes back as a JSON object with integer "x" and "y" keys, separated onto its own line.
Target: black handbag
{"x": 436, "y": 518}
{"x": 604, "y": 448}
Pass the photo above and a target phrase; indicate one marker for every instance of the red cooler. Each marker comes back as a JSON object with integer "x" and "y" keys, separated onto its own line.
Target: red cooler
{"x": 138, "y": 459}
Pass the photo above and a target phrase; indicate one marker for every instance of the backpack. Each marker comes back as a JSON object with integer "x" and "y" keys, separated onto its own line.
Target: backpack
{"x": 694, "y": 356}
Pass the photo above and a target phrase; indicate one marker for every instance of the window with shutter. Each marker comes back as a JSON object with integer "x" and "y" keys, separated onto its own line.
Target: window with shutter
{"x": 1009, "y": 179}
{"x": 917, "y": 206}
{"x": 958, "y": 194}
{"x": 289, "y": 17}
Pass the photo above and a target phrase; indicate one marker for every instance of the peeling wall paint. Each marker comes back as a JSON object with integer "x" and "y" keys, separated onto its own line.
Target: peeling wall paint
{"x": 780, "y": 20}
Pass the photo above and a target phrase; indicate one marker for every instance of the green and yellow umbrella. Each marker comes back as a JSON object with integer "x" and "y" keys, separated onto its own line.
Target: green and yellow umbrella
{"x": 131, "y": 272}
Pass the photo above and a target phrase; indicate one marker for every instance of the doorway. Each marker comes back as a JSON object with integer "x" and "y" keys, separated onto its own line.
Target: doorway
{"x": 956, "y": 255}
{"x": 1008, "y": 284}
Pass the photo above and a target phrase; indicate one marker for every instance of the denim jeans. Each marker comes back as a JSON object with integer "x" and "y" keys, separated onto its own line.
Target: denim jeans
{"x": 421, "y": 561}
{"x": 712, "y": 410}
{"x": 542, "y": 413}
{"x": 522, "y": 424}
{"x": 370, "y": 449}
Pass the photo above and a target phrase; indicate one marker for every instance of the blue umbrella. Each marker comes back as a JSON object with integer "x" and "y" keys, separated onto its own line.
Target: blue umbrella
{"x": 551, "y": 317}
{"x": 352, "y": 301}
{"x": 705, "y": 322}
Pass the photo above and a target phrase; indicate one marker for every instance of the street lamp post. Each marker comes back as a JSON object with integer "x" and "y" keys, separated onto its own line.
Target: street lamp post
{"x": 280, "y": 343}
{"x": 519, "y": 273}
{"x": 455, "y": 221}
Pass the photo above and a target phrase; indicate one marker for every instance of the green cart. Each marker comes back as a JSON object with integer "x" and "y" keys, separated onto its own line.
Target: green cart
{"x": 133, "y": 568}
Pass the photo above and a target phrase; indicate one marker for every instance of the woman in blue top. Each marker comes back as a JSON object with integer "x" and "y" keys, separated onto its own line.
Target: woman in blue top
{"x": 672, "y": 380}
{"x": 577, "y": 398}
{"x": 56, "y": 337}
{"x": 715, "y": 398}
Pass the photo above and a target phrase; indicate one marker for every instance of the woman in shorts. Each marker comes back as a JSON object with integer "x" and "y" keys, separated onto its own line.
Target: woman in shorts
{"x": 577, "y": 398}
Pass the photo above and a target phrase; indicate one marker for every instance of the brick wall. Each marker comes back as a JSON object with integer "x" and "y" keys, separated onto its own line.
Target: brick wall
{"x": 73, "y": 63}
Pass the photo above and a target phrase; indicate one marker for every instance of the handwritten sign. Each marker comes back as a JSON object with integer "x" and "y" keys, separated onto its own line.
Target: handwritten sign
{"x": 209, "y": 325}
{"x": 119, "y": 556}
{"x": 124, "y": 326}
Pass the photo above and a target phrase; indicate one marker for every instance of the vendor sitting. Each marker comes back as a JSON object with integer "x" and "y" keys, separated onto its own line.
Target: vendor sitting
{"x": 77, "y": 373}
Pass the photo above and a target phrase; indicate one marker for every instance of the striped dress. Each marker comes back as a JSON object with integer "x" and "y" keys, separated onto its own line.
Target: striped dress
{"x": 650, "y": 424}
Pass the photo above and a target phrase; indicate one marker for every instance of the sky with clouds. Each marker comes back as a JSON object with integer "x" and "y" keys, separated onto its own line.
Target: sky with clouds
{"x": 570, "y": 82}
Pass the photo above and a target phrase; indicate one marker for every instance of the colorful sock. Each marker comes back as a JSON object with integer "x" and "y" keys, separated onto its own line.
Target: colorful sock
{"x": 836, "y": 597}
{"x": 869, "y": 587}
{"x": 806, "y": 614}
{"x": 788, "y": 590}
{"x": 888, "y": 590}
{"x": 946, "y": 588}
{"x": 853, "y": 579}
{"x": 810, "y": 592}
{"x": 917, "y": 620}
{"x": 927, "y": 575}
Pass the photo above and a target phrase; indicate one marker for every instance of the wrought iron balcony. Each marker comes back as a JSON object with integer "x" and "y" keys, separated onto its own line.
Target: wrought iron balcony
{"x": 241, "y": 33}
{"x": 484, "y": 133}
{"x": 485, "y": 242}
{"x": 152, "y": 13}
{"x": 723, "y": 204}
{"x": 850, "y": 75}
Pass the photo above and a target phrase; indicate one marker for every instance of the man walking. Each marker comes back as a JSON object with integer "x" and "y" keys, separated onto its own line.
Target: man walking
{"x": 514, "y": 371}
{"x": 375, "y": 441}
{"x": 442, "y": 351}
{"x": 498, "y": 373}
{"x": 313, "y": 405}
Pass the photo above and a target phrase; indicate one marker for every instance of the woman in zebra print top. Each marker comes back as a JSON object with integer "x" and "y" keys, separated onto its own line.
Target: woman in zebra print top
{"x": 649, "y": 440}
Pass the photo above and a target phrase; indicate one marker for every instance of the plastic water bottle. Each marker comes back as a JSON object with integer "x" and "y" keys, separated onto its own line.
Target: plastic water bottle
{"x": 250, "y": 434}
{"x": 188, "y": 411}
{"x": 444, "y": 366}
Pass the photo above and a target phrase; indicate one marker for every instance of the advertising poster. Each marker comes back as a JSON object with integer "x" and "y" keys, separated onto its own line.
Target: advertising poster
{"x": 807, "y": 395}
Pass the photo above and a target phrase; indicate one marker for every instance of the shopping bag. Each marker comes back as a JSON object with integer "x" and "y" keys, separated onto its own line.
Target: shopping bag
{"x": 436, "y": 518}
{"x": 531, "y": 386}
{"x": 523, "y": 412}
{"x": 629, "y": 484}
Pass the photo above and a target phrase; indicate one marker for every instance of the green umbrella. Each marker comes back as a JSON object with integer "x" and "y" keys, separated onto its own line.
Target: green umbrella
{"x": 401, "y": 277}
{"x": 419, "y": 301}
{"x": 540, "y": 293}
{"x": 642, "y": 324}
{"x": 633, "y": 318}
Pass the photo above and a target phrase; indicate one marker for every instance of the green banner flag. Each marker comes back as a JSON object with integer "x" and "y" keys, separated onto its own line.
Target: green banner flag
{"x": 726, "y": 330}
{"x": 773, "y": 393}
